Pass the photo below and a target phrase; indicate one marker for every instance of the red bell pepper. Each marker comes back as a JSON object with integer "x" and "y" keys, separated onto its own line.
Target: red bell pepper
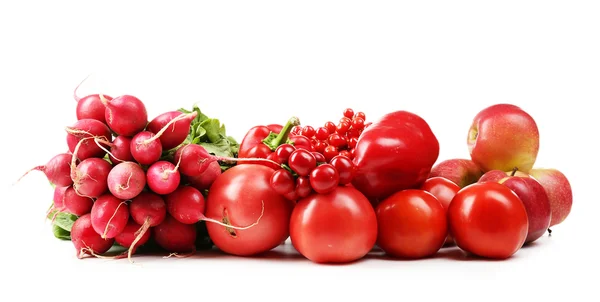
{"x": 394, "y": 153}
{"x": 261, "y": 141}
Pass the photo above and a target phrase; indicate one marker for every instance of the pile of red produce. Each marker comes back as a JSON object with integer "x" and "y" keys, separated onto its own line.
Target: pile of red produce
{"x": 179, "y": 184}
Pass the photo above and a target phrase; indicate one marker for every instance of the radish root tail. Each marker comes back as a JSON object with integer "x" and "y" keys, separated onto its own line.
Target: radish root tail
{"x": 178, "y": 255}
{"x": 38, "y": 168}
{"x": 262, "y": 212}
{"x": 98, "y": 141}
{"x": 111, "y": 218}
{"x": 140, "y": 233}
{"x": 77, "y": 88}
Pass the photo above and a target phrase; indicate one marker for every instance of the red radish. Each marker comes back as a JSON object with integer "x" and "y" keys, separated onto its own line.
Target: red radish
{"x": 145, "y": 149}
{"x": 148, "y": 210}
{"x": 119, "y": 151}
{"x": 125, "y": 115}
{"x": 126, "y": 180}
{"x": 206, "y": 178}
{"x": 109, "y": 216}
{"x": 86, "y": 240}
{"x": 186, "y": 205}
{"x": 75, "y": 204}
{"x": 90, "y": 177}
{"x": 87, "y": 128}
{"x": 57, "y": 170}
{"x": 59, "y": 197}
{"x": 129, "y": 234}
{"x": 174, "y": 236}
{"x": 177, "y": 126}
{"x": 195, "y": 160}
{"x": 91, "y": 107}
{"x": 163, "y": 177}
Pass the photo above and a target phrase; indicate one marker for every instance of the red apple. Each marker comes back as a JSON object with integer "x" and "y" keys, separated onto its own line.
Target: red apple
{"x": 503, "y": 137}
{"x": 497, "y": 175}
{"x": 559, "y": 192}
{"x": 444, "y": 190}
{"x": 462, "y": 172}
{"x": 536, "y": 203}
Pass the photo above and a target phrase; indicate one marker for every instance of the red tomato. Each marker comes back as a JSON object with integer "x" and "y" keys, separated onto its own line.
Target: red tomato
{"x": 444, "y": 190}
{"x": 237, "y": 197}
{"x": 488, "y": 220}
{"x": 336, "y": 227}
{"x": 412, "y": 224}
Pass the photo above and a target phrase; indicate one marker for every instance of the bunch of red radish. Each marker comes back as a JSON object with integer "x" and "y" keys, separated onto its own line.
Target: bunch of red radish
{"x": 118, "y": 179}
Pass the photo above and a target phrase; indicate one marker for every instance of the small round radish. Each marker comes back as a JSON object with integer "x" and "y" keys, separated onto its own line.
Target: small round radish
{"x": 86, "y": 240}
{"x": 75, "y": 204}
{"x": 125, "y": 115}
{"x": 119, "y": 151}
{"x": 178, "y": 127}
{"x": 126, "y": 180}
{"x": 109, "y": 216}
{"x": 57, "y": 170}
{"x": 194, "y": 159}
{"x": 163, "y": 177}
{"x": 59, "y": 198}
{"x": 87, "y": 128}
{"x": 91, "y": 107}
{"x": 90, "y": 177}
{"x": 186, "y": 205}
{"x": 206, "y": 178}
{"x": 145, "y": 149}
{"x": 174, "y": 236}
{"x": 129, "y": 234}
{"x": 148, "y": 210}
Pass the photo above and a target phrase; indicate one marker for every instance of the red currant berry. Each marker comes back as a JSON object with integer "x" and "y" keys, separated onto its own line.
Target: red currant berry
{"x": 302, "y": 162}
{"x": 291, "y": 196}
{"x": 330, "y": 152}
{"x": 319, "y": 157}
{"x": 352, "y": 142}
{"x": 352, "y": 153}
{"x": 358, "y": 123}
{"x": 282, "y": 182}
{"x": 320, "y": 146}
{"x": 308, "y": 131}
{"x": 321, "y": 133}
{"x": 336, "y": 140}
{"x": 346, "y": 120}
{"x": 342, "y": 128}
{"x": 361, "y": 115}
{"x": 345, "y": 167}
{"x": 346, "y": 153}
{"x": 353, "y": 132}
{"x": 303, "y": 187}
{"x": 349, "y": 113}
{"x": 296, "y": 130}
{"x": 283, "y": 153}
{"x": 274, "y": 158}
{"x": 330, "y": 126}
{"x": 324, "y": 178}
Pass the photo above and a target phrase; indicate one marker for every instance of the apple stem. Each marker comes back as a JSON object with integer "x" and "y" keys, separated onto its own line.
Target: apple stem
{"x": 514, "y": 171}
{"x": 549, "y": 232}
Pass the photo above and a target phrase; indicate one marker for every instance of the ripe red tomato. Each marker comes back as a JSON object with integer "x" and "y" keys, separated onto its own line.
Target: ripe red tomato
{"x": 237, "y": 197}
{"x": 412, "y": 224}
{"x": 444, "y": 190}
{"x": 489, "y": 220}
{"x": 337, "y": 227}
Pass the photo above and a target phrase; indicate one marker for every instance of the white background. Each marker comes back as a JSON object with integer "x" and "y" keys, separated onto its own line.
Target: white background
{"x": 255, "y": 62}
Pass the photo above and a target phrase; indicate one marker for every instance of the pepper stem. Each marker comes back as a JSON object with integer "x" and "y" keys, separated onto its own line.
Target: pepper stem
{"x": 282, "y": 137}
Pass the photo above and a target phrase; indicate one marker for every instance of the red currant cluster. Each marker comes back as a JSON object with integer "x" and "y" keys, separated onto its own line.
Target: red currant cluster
{"x": 304, "y": 172}
{"x": 331, "y": 139}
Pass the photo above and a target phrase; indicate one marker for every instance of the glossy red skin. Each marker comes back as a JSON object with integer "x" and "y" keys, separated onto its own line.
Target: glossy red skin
{"x": 90, "y": 177}
{"x": 559, "y": 191}
{"x": 193, "y": 159}
{"x": 58, "y": 170}
{"x": 88, "y": 147}
{"x": 444, "y": 191}
{"x": 145, "y": 153}
{"x": 337, "y": 227}
{"x": 206, "y": 178}
{"x": 238, "y": 196}
{"x": 163, "y": 177}
{"x": 148, "y": 208}
{"x": 91, "y": 107}
{"x": 59, "y": 197}
{"x": 126, "y": 180}
{"x": 412, "y": 224}
{"x": 252, "y": 145}
{"x": 186, "y": 204}
{"x": 174, "y": 236}
{"x": 394, "y": 153}
{"x": 75, "y": 204}
{"x": 84, "y": 236}
{"x": 126, "y": 115}
{"x": 462, "y": 172}
{"x": 489, "y": 220}
{"x": 176, "y": 133}
{"x": 109, "y": 216}
{"x": 121, "y": 150}
{"x": 128, "y": 235}
{"x": 536, "y": 203}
